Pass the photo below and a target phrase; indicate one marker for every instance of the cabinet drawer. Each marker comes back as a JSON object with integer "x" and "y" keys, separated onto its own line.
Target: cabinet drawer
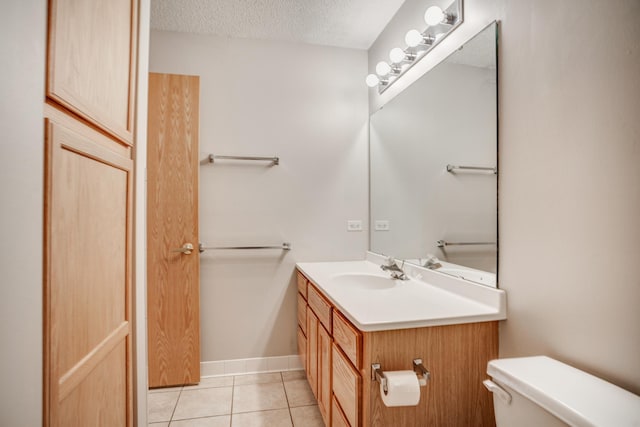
{"x": 348, "y": 338}
{"x": 320, "y": 306}
{"x": 302, "y": 284}
{"x": 337, "y": 417}
{"x": 302, "y": 314}
{"x": 346, "y": 387}
{"x": 302, "y": 348}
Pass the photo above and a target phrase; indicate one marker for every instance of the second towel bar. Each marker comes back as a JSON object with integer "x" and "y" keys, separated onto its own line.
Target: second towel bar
{"x": 443, "y": 243}
{"x": 286, "y": 246}
{"x": 453, "y": 168}
{"x": 274, "y": 160}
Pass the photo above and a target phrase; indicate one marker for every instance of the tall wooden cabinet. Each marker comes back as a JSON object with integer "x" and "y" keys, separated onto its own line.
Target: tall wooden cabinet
{"x": 92, "y": 62}
{"x": 89, "y": 128}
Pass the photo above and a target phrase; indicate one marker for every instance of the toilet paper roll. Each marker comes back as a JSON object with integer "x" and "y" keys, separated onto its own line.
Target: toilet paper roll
{"x": 403, "y": 389}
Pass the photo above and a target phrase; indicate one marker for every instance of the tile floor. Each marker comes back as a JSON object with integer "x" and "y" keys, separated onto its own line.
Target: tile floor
{"x": 278, "y": 399}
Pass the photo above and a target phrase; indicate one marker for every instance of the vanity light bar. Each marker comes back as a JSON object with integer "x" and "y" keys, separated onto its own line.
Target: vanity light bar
{"x": 440, "y": 23}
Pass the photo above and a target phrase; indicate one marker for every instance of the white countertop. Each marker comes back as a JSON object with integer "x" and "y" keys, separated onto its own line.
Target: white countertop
{"x": 433, "y": 300}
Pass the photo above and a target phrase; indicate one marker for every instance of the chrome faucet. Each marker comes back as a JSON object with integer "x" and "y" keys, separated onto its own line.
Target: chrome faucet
{"x": 395, "y": 271}
{"x": 432, "y": 262}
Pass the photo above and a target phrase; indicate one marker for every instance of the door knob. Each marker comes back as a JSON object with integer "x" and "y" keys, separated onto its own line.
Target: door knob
{"x": 186, "y": 249}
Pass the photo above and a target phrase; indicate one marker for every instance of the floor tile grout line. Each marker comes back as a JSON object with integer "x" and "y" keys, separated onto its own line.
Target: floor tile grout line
{"x": 175, "y": 406}
{"x": 233, "y": 392}
{"x": 286, "y": 395}
{"x": 199, "y": 417}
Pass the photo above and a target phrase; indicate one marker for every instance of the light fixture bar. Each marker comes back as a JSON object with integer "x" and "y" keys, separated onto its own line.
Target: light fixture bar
{"x": 440, "y": 23}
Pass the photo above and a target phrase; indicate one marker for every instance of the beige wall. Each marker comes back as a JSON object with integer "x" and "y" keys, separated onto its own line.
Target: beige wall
{"x": 22, "y": 49}
{"x": 569, "y": 185}
{"x": 307, "y": 105}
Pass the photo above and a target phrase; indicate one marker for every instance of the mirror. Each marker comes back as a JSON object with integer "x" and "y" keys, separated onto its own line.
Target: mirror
{"x": 447, "y": 119}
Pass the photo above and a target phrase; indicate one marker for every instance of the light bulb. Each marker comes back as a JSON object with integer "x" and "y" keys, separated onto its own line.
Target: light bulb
{"x": 372, "y": 80}
{"x": 413, "y": 38}
{"x": 383, "y": 68}
{"x": 433, "y": 16}
{"x": 397, "y": 55}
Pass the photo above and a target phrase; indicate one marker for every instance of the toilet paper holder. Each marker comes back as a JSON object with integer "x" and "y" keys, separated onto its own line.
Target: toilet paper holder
{"x": 378, "y": 375}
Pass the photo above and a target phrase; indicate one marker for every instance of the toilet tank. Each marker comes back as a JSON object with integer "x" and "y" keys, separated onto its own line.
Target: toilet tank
{"x": 541, "y": 391}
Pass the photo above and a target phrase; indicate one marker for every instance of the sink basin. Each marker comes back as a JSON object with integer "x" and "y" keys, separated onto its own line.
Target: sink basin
{"x": 372, "y": 282}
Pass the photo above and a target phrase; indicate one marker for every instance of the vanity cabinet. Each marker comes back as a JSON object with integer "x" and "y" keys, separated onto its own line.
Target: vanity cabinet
{"x": 318, "y": 347}
{"x": 456, "y": 356}
{"x": 334, "y": 380}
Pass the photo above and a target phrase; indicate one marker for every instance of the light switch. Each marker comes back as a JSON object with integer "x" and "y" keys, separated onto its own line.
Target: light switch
{"x": 382, "y": 225}
{"x": 354, "y": 225}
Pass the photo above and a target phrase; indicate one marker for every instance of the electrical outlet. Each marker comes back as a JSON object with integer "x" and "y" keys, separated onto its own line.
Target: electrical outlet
{"x": 382, "y": 225}
{"x": 354, "y": 225}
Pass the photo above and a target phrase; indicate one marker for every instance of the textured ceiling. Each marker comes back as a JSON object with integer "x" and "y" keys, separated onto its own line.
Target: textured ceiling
{"x": 344, "y": 23}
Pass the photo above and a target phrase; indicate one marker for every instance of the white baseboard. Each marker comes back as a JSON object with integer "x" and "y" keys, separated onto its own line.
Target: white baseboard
{"x": 250, "y": 366}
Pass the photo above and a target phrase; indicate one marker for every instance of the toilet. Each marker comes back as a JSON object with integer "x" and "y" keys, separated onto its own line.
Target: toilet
{"x": 540, "y": 391}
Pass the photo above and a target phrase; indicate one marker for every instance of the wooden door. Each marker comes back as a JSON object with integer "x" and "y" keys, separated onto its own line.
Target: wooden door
{"x": 173, "y": 279}
{"x": 87, "y": 290}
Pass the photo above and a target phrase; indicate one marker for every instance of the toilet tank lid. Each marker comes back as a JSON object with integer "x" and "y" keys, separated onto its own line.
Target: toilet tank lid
{"x": 574, "y": 396}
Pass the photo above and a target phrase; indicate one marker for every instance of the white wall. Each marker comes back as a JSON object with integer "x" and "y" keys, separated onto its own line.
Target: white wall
{"x": 307, "y": 105}
{"x": 569, "y": 184}
{"x": 22, "y": 47}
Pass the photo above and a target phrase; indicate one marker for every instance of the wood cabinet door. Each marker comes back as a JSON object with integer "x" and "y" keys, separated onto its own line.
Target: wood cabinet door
{"x": 302, "y": 314}
{"x": 312, "y": 351}
{"x": 302, "y": 348}
{"x": 92, "y": 61}
{"x": 87, "y": 288}
{"x": 346, "y": 387}
{"x": 173, "y": 277}
{"x": 324, "y": 374}
{"x": 337, "y": 417}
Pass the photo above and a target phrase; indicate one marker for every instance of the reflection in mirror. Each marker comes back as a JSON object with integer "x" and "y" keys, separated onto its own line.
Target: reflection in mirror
{"x": 419, "y": 208}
